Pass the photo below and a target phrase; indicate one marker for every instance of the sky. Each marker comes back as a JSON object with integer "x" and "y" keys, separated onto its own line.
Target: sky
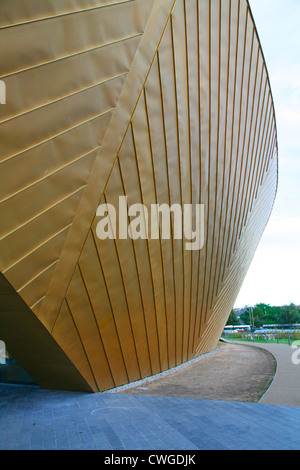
{"x": 274, "y": 275}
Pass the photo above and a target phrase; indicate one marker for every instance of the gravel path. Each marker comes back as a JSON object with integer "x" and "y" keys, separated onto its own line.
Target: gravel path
{"x": 233, "y": 373}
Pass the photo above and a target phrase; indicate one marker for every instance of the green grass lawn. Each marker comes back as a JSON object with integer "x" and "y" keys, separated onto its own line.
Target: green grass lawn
{"x": 282, "y": 338}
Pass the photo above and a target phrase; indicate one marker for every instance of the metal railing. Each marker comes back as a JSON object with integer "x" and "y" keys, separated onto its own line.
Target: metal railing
{"x": 268, "y": 336}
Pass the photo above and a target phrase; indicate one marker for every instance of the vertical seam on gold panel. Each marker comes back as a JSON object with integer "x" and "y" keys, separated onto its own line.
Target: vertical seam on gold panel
{"x": 109, "y": 300}
{"x": 245, "y": 186}
{"x": 160, "y": 242}
{"x": 147, "y": 244}
{"x": 267, "y": 148}
{"x": 125, "y": 296}
{"x": 141, "y": 195}
{"x": 232, "y": 230}
{"x": 178, "y": 139}
{"x": 227, "y": 232}
{"x": 137, "y": 271}
{"x": 257, "y": 152}
{"x": 223, "y": 300}
{"x": 263, "y": 205}
{"x": 96, "y": 322}
{"x": 209, "y": 163}
{"x": 262, "y": 151}
{"x": 259, "y": 112}
{"x": 225, "y": 145}
{"x": 169, "y": 196}
{"x": 207, "y": 209}
{"x": 274, "y": 146}
{"x": 80, "y": 339}
{"x": 190, "y": 169}
{"x": 217, "y": 169}
{"x": 244, "y": 158}
{"x": 245, "y": 215}
{"x": 198, "y": 312}
{"x": 246, "y": 146}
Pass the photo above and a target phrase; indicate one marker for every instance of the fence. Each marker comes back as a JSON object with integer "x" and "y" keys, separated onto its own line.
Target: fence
{"x": 263, "y": 336}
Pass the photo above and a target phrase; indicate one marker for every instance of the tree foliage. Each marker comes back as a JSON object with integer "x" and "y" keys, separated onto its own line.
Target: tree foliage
{"x": 265, "y": 314}
{"x": 233, "y": 318}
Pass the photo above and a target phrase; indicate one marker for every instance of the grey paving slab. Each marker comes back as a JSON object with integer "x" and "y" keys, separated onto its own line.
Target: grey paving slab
{"x": 33, "y": 419}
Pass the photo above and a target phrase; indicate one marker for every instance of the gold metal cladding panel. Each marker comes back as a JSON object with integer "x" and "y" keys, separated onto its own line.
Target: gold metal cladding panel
{"x": 62, "y": 90}
{"x": 176, "y": 96}
{"x": 242, "y": 259}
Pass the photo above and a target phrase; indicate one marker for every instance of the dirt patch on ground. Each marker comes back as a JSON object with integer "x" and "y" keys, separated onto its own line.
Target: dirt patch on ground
{"x": 233, "y": 373}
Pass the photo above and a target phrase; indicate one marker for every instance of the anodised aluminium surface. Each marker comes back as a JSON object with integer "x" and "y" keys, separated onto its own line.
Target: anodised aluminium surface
{"x": 177, "y": 98}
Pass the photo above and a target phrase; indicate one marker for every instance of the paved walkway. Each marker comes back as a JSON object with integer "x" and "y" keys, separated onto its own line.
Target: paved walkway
{"x": 285, "y": 388}
{"x": 31, "y": 418}
{"x": 38, "y": 419}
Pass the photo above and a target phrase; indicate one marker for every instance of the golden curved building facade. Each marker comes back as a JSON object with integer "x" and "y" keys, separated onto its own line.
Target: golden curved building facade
{"x": 162, "y": 101}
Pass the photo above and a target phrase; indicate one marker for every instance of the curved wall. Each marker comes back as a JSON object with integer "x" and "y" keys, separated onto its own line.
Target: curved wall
{"x": 161, "y": 101}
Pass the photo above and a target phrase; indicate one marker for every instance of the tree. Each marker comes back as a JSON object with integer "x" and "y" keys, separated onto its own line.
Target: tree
{"x": 245, "y": 317}
{"x": 289, "y": 314}
{"x": 258, "y": 316}
{"x": 265, "y": 314}
{"x": 270, "y": 316}
{"x": 233, "y": 318}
